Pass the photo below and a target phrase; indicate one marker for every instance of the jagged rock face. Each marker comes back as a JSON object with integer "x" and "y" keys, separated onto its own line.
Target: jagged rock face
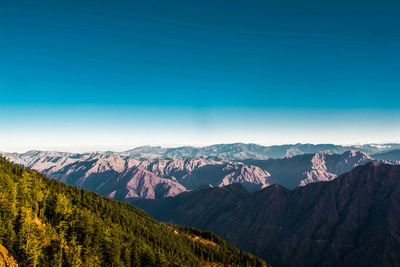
{"x": 350, "y": 221}
{"x": 300, "y": 170}
{"x": 125, "y": 178}
{"x": 326, "y": 167}
{"x": 138, "y": 183}
{"x": 193, "y": 173}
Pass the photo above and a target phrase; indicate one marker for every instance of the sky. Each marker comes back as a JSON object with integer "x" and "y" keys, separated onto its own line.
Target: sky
{"x": 111, "y": 75}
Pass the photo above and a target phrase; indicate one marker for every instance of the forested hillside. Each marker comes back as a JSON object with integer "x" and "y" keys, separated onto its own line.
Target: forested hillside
{"x": 44, "y": 222}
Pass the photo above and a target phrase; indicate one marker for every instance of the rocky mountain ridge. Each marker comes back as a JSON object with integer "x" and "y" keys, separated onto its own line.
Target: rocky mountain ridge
{"x": 126, "y": 178}
{"x": 300, "y": 170}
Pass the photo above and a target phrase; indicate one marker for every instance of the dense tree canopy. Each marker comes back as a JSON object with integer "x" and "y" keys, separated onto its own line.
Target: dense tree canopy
{"x": 44, "y": 222}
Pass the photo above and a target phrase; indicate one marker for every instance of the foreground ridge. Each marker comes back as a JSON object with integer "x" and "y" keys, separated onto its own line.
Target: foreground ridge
{"x": 48, "y": 223}
{"x": 350, "y": 221}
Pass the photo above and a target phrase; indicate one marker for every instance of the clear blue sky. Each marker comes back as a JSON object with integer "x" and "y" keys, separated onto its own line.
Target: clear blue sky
{"x": 114, "y": 74}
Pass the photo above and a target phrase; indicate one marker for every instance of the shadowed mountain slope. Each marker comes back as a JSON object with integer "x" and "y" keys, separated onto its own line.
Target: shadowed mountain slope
{"x": 350, "y": 221}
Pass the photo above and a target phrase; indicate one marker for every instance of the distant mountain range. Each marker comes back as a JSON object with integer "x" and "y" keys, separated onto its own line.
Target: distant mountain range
{"x": 123, "y": 176}
{"x": 350, "y": 221}
{"x": 236, "y": 151}
{"x": 393, "y": 155}
{"x": 239, "y": 151}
